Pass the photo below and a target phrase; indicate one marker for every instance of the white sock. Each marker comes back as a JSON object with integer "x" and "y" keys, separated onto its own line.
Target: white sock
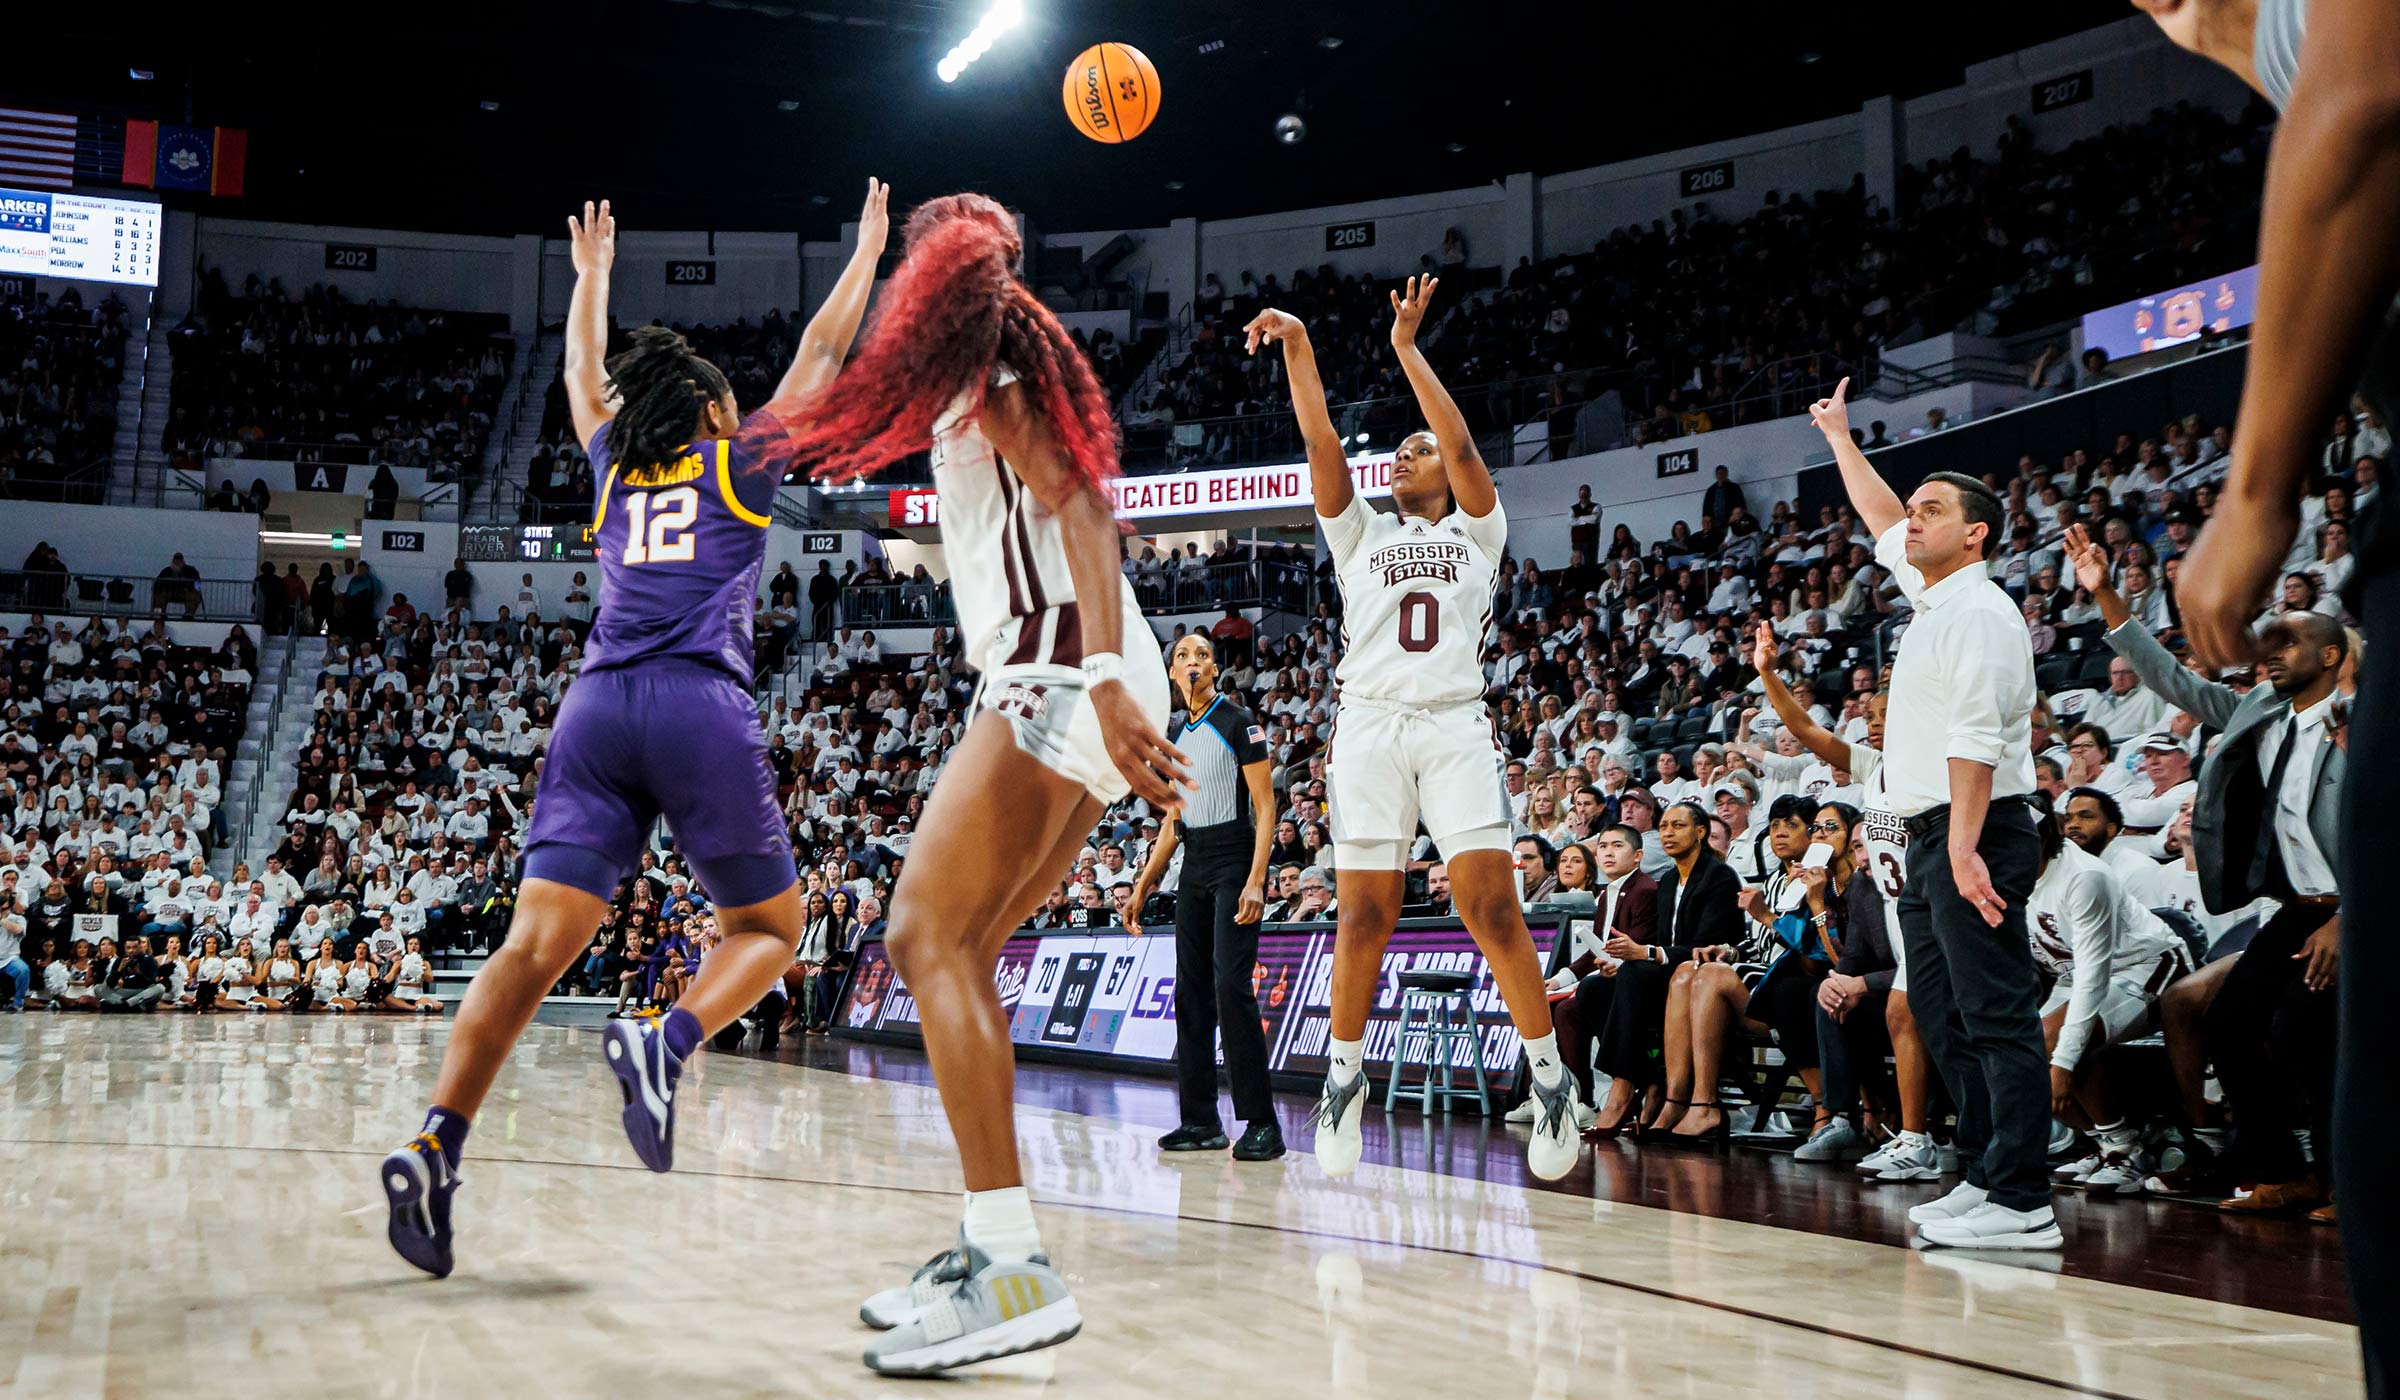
{"x": 2117, "y": 1136}
{"x": 1349, "y": 1059}
{"x": 1910, "y": 1141}
{"x": 1000, "y": 1223}
{"x": 1548, "y": 1068}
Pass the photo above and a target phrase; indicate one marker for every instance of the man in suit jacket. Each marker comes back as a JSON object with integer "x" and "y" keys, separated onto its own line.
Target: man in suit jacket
{"x": 2266, "y": 821}
{"x": 1697, "y": 914}
{"x": 1582, "y": 989}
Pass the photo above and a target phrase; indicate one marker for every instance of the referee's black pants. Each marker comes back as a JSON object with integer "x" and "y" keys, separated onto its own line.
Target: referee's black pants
{"x": 1214, "y": 961}
{"x": 2366, "y": 1118}
{"x": 1977, "y": 999}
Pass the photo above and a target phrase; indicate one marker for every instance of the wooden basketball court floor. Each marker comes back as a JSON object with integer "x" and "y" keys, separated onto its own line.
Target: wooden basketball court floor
{"x": 189, "y": 1207}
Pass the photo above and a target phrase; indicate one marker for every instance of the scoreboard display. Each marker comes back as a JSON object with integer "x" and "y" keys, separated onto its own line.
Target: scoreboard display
{"x": 1101, "y": 996}
{"x": 49, "y": 233}
{"x": 526, "y": 544}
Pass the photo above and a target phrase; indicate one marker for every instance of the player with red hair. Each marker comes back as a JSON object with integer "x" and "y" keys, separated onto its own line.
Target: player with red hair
{"x": 965, "y": 362}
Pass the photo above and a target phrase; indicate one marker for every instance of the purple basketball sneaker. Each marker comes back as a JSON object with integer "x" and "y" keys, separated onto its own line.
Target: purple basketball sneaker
{"x": 417, "y": 1183}
{"x": 646, "y": 1071}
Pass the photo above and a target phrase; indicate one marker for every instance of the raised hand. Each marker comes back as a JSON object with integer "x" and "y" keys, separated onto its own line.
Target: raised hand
{"x": 2226, "y": 576}
{"x": 1409, "y": 310}
{"x": 874, "y": 216}
{"x": 1832, "y": 415}
{"x": 592, "y": 240}
{"x": 1272, "y": 325}
{"x": 2090, "y": 560}
{"x": 1763, "y": 658}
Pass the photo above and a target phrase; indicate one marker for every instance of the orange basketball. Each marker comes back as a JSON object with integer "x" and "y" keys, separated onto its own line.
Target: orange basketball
{"x": 1111, "y": 92}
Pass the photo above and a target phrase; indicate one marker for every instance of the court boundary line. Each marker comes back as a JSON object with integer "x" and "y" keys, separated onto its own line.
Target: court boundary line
{"x": 1992, "y": 1368}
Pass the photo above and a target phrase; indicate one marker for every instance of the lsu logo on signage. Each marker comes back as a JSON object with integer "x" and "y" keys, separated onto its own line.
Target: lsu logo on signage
{"x": 25, "y": 213}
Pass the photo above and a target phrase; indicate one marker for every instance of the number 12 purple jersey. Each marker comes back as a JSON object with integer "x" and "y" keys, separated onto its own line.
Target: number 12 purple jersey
{"x": 680, "y": 548}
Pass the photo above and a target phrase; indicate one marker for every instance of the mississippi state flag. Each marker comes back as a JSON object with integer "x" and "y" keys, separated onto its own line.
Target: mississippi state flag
{"x": 202, "y": 159}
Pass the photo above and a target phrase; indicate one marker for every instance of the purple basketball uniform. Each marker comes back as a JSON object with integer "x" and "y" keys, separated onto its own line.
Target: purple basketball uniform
{"x": 660, "y": 721}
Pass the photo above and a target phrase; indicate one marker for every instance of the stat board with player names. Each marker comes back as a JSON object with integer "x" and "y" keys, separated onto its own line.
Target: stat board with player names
{"x": 48, "y": 233}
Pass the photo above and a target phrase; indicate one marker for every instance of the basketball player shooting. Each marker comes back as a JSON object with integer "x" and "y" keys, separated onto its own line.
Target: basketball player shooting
{"x": 964, "y": 361}
{"x": 660, "y": 720}
{"x": 1411, "y": 737}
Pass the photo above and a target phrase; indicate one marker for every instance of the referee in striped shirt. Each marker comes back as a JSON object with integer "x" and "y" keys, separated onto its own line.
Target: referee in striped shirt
{"x": 1218, "y": 902}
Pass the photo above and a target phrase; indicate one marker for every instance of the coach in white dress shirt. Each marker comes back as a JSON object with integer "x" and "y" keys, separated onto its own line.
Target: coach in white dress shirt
{"x": 1957, "y": 767}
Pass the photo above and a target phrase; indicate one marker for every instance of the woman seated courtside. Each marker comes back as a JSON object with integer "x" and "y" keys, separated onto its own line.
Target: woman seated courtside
{"x": 1699, "y": 922}
{"x": 1796, "y": 923}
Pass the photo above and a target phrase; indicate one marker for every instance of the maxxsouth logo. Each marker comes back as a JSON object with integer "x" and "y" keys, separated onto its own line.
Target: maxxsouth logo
{"x": 1027, "y": 702}
{"x": 1399, "y": 563}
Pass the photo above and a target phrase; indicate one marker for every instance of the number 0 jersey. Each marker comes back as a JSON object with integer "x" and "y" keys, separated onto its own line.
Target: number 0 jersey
{"x": 680, "y": 549}
{"x": 1416, "y": 602}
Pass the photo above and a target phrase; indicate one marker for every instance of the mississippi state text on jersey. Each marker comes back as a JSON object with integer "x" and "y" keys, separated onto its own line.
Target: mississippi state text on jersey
{"x": 1416, "y": 601}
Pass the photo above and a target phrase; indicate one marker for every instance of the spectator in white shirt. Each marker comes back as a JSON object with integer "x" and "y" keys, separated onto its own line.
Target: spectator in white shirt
{"x": 2128, "y": 707}
{"x": 2167, "y": 774}
{"x": 253, "y": 921}
{"x": 470, "y": 825}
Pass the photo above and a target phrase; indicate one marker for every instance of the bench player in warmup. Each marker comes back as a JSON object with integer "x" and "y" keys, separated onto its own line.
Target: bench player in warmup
{"x": 964, "y": 361}
{"x": 660, "y": 721}
{"x": 1411, "y": 736}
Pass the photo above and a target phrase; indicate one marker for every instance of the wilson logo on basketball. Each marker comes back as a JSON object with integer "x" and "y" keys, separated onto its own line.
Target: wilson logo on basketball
{"x": 1095, "y": 105}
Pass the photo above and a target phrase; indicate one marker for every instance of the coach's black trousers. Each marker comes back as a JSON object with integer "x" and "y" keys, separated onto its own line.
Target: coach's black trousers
{"x": 1978, "y": 1000}
{"x": 1214, "y": 960}
{"x": 2366, "y": 1119}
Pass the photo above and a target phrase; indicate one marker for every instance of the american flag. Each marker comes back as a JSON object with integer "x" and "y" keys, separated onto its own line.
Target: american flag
{"x": 37, "y": 149}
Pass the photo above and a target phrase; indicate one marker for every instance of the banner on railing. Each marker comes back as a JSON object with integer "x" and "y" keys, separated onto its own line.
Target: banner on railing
{"x": 1217, "y": 492}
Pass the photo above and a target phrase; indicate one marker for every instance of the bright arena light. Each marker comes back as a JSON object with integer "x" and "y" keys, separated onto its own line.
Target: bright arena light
{"x": 1003, "y": 16}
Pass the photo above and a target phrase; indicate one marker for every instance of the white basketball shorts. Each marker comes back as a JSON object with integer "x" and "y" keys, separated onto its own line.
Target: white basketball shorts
{"x": 1048, "y": 713}
{"x": 1394, "y": 765}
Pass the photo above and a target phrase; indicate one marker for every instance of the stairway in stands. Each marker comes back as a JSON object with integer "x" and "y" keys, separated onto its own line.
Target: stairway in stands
{"x": 269, "y": 762}
{"x": 528, "y": 391}
{"x": 142, "y": 397}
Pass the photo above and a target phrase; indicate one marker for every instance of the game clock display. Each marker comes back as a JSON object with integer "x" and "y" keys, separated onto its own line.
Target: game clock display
{"x": 1103, "y": 997}
{"x": 526, "y": 544}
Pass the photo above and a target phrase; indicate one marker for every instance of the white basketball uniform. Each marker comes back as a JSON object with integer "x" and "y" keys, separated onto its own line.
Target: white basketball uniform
{"x": 1018, "y": 620}
{"x": 1411, "y": 739}
{"x": 2111, "y": 958}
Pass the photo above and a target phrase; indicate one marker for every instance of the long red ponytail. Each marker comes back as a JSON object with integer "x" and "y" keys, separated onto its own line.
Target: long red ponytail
{"x": 953, "y": 313}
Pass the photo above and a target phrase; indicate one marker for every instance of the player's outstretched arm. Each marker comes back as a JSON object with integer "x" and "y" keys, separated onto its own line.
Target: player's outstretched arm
{"x": 1087, "y": 526}
{"x": 2332, "y": 201}
{"x": 826, "y": 341}
{"x": 1878, "y": 505}
{"x": 1328, "y": 468}
{"x": 1814, "y": 737}
{"x": 592, "y": 244}
{"x": 1470, "y": 480}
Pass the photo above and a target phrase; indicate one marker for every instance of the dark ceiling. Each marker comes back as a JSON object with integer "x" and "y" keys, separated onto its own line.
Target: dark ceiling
{"x": 374, "y": 115}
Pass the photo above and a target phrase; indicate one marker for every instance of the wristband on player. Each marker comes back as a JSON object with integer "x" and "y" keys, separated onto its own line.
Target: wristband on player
{"x": 1103, "y": 666}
